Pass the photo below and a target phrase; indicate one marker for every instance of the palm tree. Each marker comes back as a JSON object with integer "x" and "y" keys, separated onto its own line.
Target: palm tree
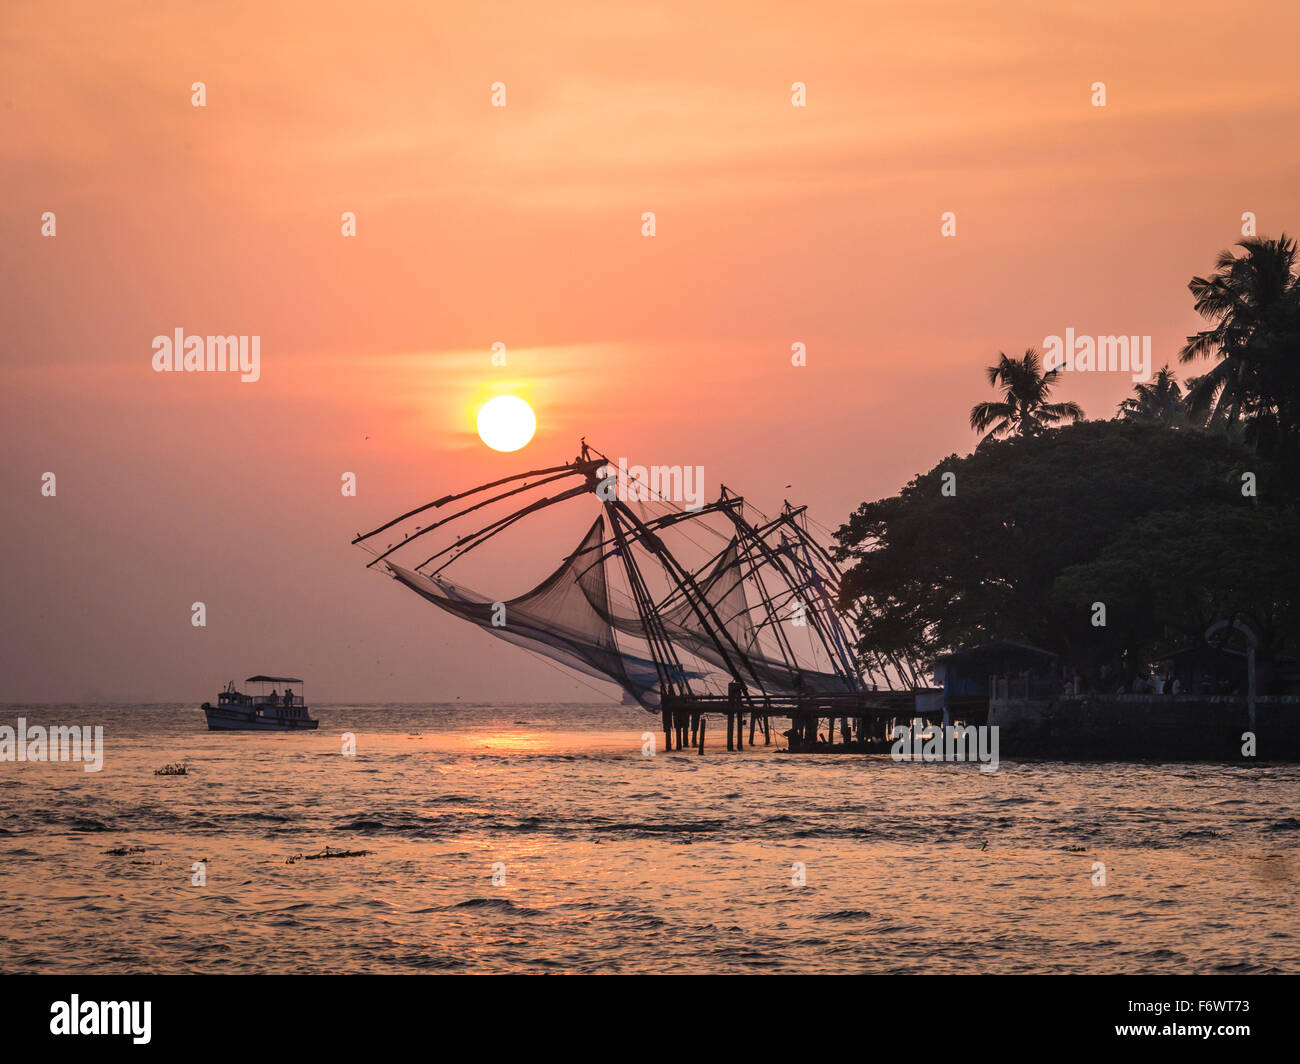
{"x": 1253, "y": 301}
{"x": 1161, "y": 400}
{"x": 1024, "y": 409}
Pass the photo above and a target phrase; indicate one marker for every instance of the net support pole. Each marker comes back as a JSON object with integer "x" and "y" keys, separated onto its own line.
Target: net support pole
{"x": 735, "y": 719}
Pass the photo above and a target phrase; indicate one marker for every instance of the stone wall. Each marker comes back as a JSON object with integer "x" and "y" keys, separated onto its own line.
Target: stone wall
{"x": 1137, "y": 727}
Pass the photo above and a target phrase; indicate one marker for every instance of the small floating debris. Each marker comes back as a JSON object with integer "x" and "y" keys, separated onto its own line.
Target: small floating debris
{"x": 178, "y": 768}
{"x": 125, "y": 851}
{"x": 327, "y": 852}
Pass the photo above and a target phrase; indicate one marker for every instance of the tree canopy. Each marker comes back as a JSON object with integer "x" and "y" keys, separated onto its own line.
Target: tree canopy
{"x": 1174, "y": 573}
{"x": 1161, "y": 400}
{"x": 933, "y": 571}
{"x": 1023, "y": 409}
{"x": 1170, "y": 530}
{"x": 1252, "y": 301}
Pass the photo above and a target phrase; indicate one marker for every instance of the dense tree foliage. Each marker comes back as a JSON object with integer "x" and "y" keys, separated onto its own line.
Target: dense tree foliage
{"x": 1253, "y": 302}
{"x": 933, "y": 570}
{"x": 1023, "y": 409}
{"x": 1180, "y": 513}
{"x": 1161, "y": 400}
{"x": 1172, "y": 574}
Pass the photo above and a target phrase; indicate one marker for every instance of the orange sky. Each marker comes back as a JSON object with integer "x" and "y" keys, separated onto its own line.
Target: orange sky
{"x": 522, "y": 225}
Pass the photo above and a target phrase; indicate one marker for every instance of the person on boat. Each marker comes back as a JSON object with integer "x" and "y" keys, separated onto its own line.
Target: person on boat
{"x": 288, "y": 697}
{"x": 275, "y": 697}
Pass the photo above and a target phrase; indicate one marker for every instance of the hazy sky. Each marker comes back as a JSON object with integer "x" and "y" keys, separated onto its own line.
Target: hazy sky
{"x": 522, "y": 224}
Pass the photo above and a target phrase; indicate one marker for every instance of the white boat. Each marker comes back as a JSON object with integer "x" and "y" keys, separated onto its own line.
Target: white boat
{"x": 277, "y": 711}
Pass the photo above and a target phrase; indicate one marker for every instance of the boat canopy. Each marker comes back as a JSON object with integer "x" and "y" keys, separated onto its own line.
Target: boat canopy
{"x": 273, "y": 679}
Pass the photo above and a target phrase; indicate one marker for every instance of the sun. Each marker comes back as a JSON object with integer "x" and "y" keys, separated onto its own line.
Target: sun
{"x": 506, "y": 423}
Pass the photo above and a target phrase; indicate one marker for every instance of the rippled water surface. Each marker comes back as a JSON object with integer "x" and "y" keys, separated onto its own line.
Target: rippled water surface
{"x": 614, "y": 862}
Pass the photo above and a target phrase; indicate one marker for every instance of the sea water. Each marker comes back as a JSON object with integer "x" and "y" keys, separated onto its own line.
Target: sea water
{"x": 540, "y": 839}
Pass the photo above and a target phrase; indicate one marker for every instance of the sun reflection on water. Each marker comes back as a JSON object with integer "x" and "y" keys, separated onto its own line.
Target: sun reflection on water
{"x": 508, "y": 742}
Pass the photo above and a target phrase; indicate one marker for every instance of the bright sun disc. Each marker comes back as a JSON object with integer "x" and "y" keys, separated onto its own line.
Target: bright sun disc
{"x": 506, "y": 423}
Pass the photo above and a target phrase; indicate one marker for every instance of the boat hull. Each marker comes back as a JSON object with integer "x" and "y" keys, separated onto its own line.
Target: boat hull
{"x": 247, "y": 718}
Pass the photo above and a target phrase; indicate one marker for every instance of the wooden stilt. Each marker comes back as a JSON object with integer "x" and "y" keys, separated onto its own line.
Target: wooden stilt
{"x": 668, "y": 728}
{"x": 695, "y": 727}
{"x": 753, "y": 723}
{"x": 701, "y": 748}
{"x": 767, "y": 730}
{"x": 734, "y": 716}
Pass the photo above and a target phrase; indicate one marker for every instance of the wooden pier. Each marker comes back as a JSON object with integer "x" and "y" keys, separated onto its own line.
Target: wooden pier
{"x": 860, "y": 719}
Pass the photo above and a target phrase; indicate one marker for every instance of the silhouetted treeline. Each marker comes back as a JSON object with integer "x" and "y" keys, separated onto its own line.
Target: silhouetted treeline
{"x": 1182, "y": 512}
